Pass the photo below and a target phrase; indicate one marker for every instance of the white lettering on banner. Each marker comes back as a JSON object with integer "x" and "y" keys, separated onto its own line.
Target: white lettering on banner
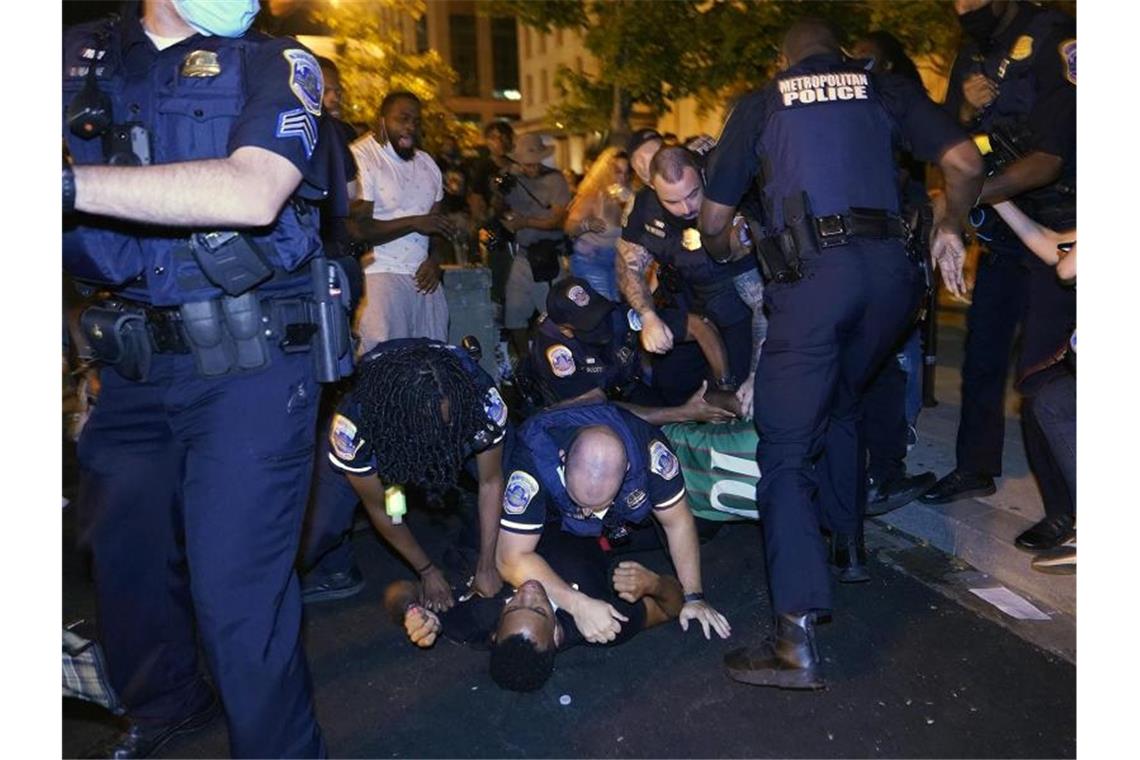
{"x": 727, "y": 487}
{"x": 822, "y": 88}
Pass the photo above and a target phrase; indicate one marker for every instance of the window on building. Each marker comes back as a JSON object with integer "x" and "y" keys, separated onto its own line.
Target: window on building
{"x": 505, "y": 58}
{"x": 464, "y": 54}
{"x": 558, "y": 37}
{"x": 541, "y": 42}
{"x": 421, "y": 34}
{"x": 544, "y": 87}
{"x": 526, "y": 42}
{"x": 529, "y": 90}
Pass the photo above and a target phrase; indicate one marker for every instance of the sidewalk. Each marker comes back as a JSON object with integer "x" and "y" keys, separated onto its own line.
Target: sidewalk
{"x": 980, "y": 531}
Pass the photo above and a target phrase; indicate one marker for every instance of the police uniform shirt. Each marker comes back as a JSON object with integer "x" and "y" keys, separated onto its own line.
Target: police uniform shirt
{"x": 568, "y": 366}
{"x": 1034, "y": 61}
{"x": 577, "y": 560}
{"x": 200, "y": 98}
{"x": 350, "y": 452}
{"x": 825, "y": 86}
{"x": 527, "y": 506}
{"x": 677, "y": 242}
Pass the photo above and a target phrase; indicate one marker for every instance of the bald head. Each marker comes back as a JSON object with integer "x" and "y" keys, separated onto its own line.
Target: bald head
{"x": 809, "y": 36}
{"x": 595, "y": 467}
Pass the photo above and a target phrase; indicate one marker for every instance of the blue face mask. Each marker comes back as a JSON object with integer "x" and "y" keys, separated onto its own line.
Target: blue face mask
{"x": 218, "y": 18}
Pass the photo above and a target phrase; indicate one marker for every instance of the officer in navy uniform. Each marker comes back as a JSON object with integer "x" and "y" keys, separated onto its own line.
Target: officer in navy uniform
{"x": 662, "y": 226}
{"x": 391, "y": 428}
{"x": 1013, "y": 85}
{"x": 840, "y": 292}
{"x": 577, "y": 352}
{"x": 203, "y": 240}
{"x": 596, "y": 470}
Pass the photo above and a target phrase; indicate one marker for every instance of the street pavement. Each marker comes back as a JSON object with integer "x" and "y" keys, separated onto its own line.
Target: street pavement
{"x": 919, "y": 665}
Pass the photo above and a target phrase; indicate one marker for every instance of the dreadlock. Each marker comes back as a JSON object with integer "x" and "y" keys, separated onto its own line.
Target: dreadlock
{"x": 401, "y": 394}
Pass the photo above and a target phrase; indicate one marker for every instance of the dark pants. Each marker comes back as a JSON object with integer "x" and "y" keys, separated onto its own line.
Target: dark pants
{"x": 1049, "y": 422}
{"x": 827, "y": 333}
{"x": 192, "y": 492}
{"x": 326, "y": 543}
{"x": 998, "y": 305}
{"x": 884, "y": 421}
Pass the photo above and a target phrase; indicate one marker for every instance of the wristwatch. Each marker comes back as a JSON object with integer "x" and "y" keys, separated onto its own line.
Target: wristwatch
{"x": 696, "y": 596}
{"x": 68, "y": 189}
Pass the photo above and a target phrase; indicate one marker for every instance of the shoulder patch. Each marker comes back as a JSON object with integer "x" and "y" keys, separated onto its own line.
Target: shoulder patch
{"x": 561, "y": 360}
{"x": 1022, "y": 48}
{"x": 662, "y": 461}
{"x": 1068, "y": 51}
{"x": 305, "y": 79}
{"x": 520, "y": 490}
{"x": 495, "y": 407}
{"x": 342, "y": 436}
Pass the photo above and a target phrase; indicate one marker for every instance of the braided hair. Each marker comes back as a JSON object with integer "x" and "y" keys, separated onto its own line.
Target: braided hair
{"x": 401, "y": 396}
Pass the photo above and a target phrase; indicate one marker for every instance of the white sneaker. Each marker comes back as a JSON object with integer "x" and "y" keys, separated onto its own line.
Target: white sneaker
{"x": 1059, "y": 561}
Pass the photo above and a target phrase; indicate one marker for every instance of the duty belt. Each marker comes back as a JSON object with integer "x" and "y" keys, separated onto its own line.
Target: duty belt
{"x": 838, "y": 229}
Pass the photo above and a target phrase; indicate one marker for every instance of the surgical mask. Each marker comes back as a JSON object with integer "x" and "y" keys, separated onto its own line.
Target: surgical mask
{"x": 980, "y": 24}
{"x": 218, "y": 18}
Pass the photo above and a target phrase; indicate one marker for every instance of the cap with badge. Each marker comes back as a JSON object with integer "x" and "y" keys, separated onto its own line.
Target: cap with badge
{"x": 574, "y": 303}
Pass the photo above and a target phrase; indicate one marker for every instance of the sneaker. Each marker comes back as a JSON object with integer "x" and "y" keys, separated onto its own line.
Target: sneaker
{"x": 327, "y": 588}
{"x": 1059, "y": 561}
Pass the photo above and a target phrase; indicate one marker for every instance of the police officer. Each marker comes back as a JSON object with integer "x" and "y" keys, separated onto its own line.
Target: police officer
{"x": 596, "y": 470}
{"x": 419, "y": 411}
{"x": 1014, "y": 86}
{"x": 577, "y": 351}
{"x": 196, "y": 464}
{"x": 662, "y": 227}
{"x": 840, "y": 292}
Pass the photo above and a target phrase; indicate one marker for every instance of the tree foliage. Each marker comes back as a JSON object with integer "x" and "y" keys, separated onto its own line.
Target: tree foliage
{"x": 372, "y": 64}
{"x": 655, "y": 53}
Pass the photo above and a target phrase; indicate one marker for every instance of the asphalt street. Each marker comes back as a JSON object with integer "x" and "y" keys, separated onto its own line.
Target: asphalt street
{"x": 913, "y": 673}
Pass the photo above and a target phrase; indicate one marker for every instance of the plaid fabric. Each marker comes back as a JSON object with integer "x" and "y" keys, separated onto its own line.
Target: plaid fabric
{"x": 85, "y": 674}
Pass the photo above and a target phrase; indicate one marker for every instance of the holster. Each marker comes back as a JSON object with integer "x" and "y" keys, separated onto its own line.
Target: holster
{"x": 117, "y": 336}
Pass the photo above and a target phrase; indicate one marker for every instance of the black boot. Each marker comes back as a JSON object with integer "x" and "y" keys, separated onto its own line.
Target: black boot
{"x": 787, "y": 661}
{"x": 849, "y": 558}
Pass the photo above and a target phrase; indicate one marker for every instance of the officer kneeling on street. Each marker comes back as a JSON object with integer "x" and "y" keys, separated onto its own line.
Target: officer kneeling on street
{"x": 840, "y": 292}
{"x": 418, "y": 413}
{"x": 199, "y": 155}
{"x": 596, "y": 470}
{"x": 577, "y": 354}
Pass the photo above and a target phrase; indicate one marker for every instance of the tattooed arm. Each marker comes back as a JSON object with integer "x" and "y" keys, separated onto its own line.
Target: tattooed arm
{"x": 631, "y": 263}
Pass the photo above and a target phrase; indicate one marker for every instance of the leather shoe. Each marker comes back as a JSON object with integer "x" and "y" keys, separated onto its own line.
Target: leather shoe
{"x": 959, "y": 485}
{"x": 1047, "y": 534}
{"x": 332, "y": 586}
{"x": 849, "y": 558}
{"x": 787, "y": 661}
{"x": 140, "y": 741}
{"x": 889, "y": 495}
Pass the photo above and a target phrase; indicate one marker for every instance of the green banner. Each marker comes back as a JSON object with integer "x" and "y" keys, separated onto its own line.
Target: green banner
{"x": 719, "y": 464}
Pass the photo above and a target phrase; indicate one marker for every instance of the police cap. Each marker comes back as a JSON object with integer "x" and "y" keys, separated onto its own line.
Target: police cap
{"x": 573, "y": 302}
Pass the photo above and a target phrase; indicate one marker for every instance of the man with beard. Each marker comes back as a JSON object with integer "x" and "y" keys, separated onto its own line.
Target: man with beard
{"x": 663, "y": 226}
{"x": 398, "y": 208}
